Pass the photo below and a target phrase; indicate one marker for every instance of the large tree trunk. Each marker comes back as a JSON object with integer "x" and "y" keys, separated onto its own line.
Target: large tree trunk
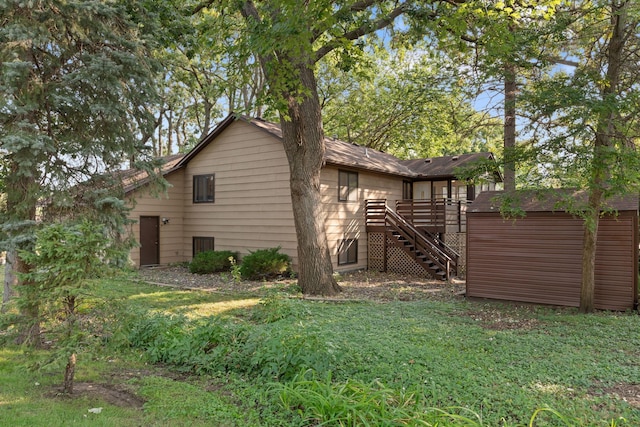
{"x": 605, "y": 132}
{"x": 303, "y": 139}
{"x": 21, "y": 204}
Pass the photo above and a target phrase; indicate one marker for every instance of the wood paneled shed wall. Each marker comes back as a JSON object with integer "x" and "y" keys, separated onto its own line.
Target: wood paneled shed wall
{"x": 538, "y": 259}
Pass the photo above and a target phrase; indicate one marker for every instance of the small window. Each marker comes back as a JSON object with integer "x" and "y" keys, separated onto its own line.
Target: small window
{"x": 204, "y": 188}
{"x": 347, "y": 186}
{"x": 202, "y": 244}
{"x": 348, "y": 252}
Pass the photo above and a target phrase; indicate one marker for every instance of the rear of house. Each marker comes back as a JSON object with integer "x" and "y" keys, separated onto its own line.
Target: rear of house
{"x": 231, "y": 192}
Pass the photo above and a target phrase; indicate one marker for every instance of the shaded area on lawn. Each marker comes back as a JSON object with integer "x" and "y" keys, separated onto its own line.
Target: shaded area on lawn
{"x": 360, "y": 285}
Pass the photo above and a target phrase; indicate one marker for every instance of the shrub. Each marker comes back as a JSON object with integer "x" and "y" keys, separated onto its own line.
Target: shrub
{"x": 212, "y": 261}
{"x": 265, "y": 264}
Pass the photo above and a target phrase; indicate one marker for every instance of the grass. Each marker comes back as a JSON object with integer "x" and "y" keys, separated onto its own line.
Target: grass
{"x": 296, "y": 362}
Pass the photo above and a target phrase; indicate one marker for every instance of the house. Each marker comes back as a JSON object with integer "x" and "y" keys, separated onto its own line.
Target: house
{"x": 538, "y": 258}
{"x": 231, "y": 191}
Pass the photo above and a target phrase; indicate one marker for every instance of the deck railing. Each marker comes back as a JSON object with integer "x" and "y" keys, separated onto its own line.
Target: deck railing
{"x": 435, "y": 215}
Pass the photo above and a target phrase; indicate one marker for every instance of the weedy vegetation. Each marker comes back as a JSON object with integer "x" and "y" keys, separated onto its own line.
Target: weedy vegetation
{"x": 203, "y": 358}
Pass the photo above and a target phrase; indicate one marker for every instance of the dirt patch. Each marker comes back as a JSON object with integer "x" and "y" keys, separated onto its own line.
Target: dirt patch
{"x": 114, "y": 394}
{"x": 362, "y": 285}
{"x": 499, "y": 320}
{"x": 371, "y": 285}
{"x": 630, "y": 393}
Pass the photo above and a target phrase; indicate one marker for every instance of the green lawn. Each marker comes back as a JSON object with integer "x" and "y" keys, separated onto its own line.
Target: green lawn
{"x": 232, "y": 360}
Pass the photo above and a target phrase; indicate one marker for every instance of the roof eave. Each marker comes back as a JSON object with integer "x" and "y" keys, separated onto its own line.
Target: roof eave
{"x": 366, "y": 169}
{"x": 131, "y": 188}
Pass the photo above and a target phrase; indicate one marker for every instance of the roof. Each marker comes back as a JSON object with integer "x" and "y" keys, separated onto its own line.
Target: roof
{"x": 338, "y": 153}
{"x": 445, "y": 166}
{"x": 134, "y": 178}
{"x": 551, "y": 200}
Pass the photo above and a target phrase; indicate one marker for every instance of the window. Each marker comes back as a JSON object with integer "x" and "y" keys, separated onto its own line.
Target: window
{"x": 348, "y": 252}
{"x": 202, "y": 244}
{"x": 347, "y": 186}
{"x": 407, "y": 190}
{"x": 203, "y": 188}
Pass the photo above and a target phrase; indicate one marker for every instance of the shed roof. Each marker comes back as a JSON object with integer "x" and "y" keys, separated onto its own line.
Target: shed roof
{"x": 550, "y": 200}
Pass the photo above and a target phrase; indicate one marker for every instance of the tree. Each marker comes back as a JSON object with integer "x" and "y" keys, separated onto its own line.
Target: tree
{"x": 289, "y": 37}
{"x": 509, "y": 43}
{"x": 408, "y": 103}
{"x": 67, "y": 258}
{"x": 588, "y": 119}
{"x": 75, "y": 78}
{"x": 202, "y": 77}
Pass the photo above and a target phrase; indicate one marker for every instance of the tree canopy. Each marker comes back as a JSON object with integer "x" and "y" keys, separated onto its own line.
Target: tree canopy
{"x": 409, "y": 103}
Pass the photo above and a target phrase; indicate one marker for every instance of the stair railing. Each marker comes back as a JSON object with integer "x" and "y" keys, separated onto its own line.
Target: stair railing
{"x": 434, "y": 249}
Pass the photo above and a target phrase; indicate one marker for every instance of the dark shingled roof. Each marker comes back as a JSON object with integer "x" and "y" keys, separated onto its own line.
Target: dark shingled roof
{"x": 340, "y": 153}
{"x": 444, "y": 167}
{"x": 552, "y": 200}
{"x": 134, "y": 178}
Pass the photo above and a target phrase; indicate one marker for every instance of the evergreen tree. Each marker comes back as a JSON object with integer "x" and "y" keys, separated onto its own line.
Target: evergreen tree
{"x": 74, "y": 80}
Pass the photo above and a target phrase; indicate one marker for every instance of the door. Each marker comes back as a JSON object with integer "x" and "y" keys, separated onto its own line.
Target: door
{"x": 149, "y": 240}
{"x": 441, "y": 189}
{"x": 422, "y": 190}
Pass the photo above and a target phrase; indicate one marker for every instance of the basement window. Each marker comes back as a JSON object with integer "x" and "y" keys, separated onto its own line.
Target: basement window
{"x": 348, "y": 252}
{"x": 204, "y": 188}
{"x": 347, "y": 186}
{"x": 202, "y": 244}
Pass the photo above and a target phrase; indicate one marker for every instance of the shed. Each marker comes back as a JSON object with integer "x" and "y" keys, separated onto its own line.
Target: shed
{"x": 538, "y": 258}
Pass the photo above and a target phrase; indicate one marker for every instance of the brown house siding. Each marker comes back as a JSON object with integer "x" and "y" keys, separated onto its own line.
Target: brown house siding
{"x": 252, "y": 208}
{"x": 538, "y": 259}
{"x": 346, "y": 220}
{"x": 167, "y": 205}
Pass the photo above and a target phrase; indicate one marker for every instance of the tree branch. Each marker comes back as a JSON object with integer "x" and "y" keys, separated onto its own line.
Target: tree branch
{"x": 367, "y": 28}
{"x": 202, "y": 5}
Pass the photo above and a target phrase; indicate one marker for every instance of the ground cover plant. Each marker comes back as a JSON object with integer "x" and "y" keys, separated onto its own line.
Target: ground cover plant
{"x": 211, "y": 358}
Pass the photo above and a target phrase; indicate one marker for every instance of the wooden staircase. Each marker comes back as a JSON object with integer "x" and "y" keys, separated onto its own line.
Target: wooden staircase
{"x": 426, "y": 249}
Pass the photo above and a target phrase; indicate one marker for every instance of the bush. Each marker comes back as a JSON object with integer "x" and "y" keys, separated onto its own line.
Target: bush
{"x": 265, "y": 264}
{"x": 212, "y": 261}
